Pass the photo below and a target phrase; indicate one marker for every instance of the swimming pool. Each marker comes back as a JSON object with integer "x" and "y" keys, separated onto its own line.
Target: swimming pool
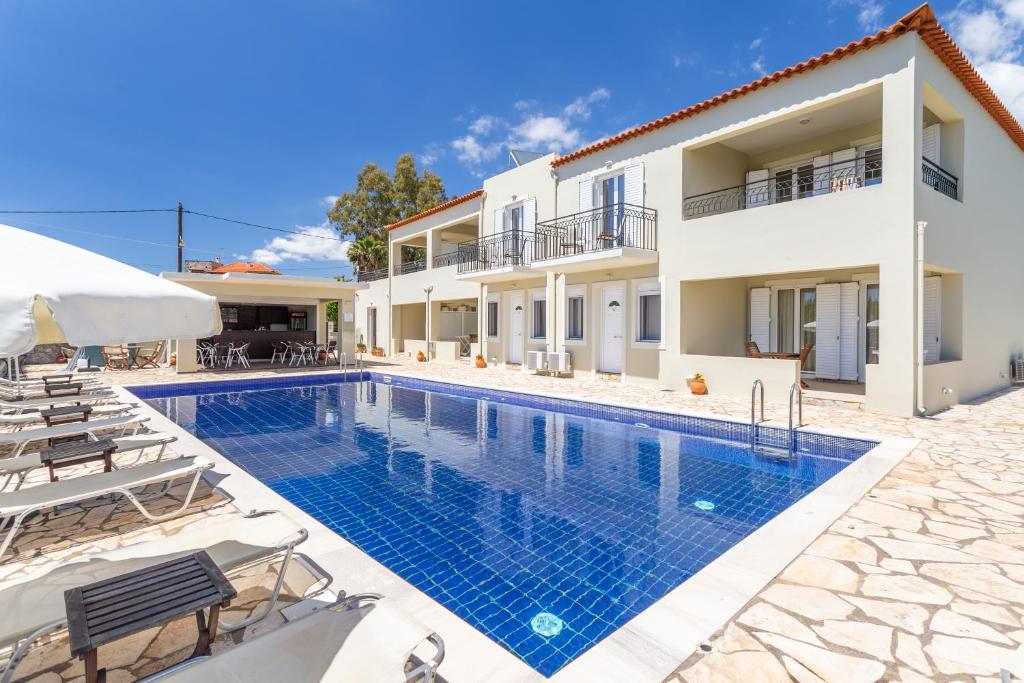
{"x": 545, "y": 523}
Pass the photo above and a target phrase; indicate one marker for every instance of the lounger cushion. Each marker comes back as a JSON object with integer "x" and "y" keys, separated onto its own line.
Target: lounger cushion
{"x": 138, "y": 442}
{"x": 371, "y": 643}
{"x": 29, "y": 418}
{"x": 91, "y": 485}
{"x": 70, "y": 429}
{"x": 232, "y": 541}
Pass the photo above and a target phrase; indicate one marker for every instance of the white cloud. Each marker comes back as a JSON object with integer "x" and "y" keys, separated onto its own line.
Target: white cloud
{"x": 992, "y": 34}
{"x": 756, "y": 43}
{"x": 329, "y": 199}
{"x": 311, "y": 245}
{"x": 758, "y": 65}
{"x": 488, "y": 135}
{"x": 869, "y": 16}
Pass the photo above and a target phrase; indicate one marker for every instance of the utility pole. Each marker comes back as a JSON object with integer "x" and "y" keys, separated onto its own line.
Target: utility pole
{"x": 181, "y": 242}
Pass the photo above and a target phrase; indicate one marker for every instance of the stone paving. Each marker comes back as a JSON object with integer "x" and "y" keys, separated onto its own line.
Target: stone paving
{"x": 921, "y": 580}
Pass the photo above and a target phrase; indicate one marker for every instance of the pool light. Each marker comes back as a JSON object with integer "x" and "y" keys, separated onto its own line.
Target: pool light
{"x": 705, "y": 505}
{"x": 547, "y": 624}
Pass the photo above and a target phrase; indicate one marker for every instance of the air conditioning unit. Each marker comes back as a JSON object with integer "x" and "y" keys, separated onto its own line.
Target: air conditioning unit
{"x": 534, "y": 360}
{"x": 559, "y": 362}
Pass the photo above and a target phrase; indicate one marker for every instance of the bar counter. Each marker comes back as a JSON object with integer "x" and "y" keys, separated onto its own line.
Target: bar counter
{"x": 261, "y": 341}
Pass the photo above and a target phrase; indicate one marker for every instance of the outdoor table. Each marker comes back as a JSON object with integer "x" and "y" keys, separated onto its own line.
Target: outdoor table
{"x": 116, "y": 608}
{"x": 64, "y": 378}
{"x": 75, "y": 452}
{"x": 65, "y": 414}
{"x": 63, "y": 388}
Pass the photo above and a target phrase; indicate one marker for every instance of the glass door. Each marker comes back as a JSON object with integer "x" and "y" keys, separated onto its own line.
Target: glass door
{"x": 785, "y": 321}
{"x": 612, "y": 195}
{"x": 808, "y": 323}
{"x": 871, "y": 309}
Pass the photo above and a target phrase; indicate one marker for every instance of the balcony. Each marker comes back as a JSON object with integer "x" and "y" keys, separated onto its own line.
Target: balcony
{"x": 939, "y": 179}
{"x": 445, "y": 260}
{"x": 371, "y": 275}
{"x": 620, "y": 235}
{"x": 494, "y": 258}
{"x": 806, "y": 181}
{"x": 410, "y": 267}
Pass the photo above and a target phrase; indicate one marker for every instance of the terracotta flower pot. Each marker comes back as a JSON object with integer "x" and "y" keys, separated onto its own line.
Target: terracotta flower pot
{"x": 420, "y": 357}
{"x": 698, "y": 387}
{"x": 480, "y": 362}
{"x": 379, "y": 353}
{"x": 174, "y": 359}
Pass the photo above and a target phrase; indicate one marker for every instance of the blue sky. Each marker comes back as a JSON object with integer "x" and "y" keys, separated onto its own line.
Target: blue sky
{"x": 262, "y": 110}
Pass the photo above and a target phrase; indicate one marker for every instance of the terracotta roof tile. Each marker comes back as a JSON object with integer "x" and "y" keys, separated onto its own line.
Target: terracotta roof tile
{"x": 244, "y": 267}
{"x": 922, "y": 20}
{"x": 437, "y": 209}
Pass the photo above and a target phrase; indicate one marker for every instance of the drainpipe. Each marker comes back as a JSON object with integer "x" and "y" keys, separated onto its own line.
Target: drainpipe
{"x": 919, "y": 287}
{"x": 427, "y": 290}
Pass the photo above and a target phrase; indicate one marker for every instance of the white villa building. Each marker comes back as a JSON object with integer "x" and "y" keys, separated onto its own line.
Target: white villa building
{"x": 862, "y": 201}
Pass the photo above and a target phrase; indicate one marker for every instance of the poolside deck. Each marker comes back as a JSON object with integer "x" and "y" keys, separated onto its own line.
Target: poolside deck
{"x": 922, "y": 579}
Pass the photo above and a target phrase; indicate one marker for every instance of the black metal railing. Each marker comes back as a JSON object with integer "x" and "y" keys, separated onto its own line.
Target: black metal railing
{"x": 371, "y": 275}
{"x": 608, "y": 227}
{"x": 410, "y": 266}
{"x": 800, "y": 183}
{"x": 444, "y": 260}
{"x": 938, "y": 178}
{"x": 508, "y": 248}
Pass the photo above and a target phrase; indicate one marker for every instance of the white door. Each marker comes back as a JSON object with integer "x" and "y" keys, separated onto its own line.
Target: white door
{"x": 613, "y": 312}
{"x": 515, "y": 326}
{"x": 932, "y": 319}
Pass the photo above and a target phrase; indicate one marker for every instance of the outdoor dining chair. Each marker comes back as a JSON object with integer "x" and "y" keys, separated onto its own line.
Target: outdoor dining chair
{"x": 149, "y": 355}
{"x": 238, "y": 354}
{"x": 280, "y": 351}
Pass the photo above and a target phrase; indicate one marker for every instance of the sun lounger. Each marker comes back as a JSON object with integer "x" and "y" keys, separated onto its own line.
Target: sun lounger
{"x": 34, "y": 606}
{"x": 23, "y": 437}
{"x": 37, "y": 383}
{"x": 18, "y": 467}
{"x": 20, "y": 406}
{"x": 361, "y": 638}
{"x": 15, "y": 506}
{"x": 30, "y": 419}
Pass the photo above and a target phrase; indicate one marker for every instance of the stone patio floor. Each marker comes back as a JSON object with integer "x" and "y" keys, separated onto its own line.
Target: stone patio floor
{"x": 921, "y": 580}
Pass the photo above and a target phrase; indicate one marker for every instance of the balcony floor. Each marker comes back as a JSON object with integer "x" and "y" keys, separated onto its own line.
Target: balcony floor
{"x": 618, "y": 257}
{"x": 502, "y": 274}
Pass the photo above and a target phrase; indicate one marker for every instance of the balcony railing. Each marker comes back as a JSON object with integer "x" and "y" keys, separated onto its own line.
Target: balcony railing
{"x": 609, "y": 227}
{"x": 807, "y": 181}
{"x": 509, "y": 248}
{"x": 410, "y": 267}
{"x": 938, "y": 178}
{"x": 371, "y": 275}
{"x": 444, "y": 260}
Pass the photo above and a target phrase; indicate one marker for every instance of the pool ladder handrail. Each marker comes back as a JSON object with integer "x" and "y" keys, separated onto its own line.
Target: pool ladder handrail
{"x": 753, "y": 401}
{"x": 797, "y": 391}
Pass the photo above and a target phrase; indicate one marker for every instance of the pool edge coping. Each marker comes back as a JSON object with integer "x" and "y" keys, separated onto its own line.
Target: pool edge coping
{"x": 653, "y": 644}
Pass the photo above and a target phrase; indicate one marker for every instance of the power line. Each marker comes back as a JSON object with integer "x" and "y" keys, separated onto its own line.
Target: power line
{"x": 86, "y": 210}
{"x": 263, "y": 227}
{"x": 218, "y": 251}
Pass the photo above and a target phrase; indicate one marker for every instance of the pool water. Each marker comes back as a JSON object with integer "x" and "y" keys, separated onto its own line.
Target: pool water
{"x": 545, "y": 524}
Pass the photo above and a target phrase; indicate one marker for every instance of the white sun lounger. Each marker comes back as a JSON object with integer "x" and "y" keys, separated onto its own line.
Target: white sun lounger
{"x": 23, "y": 437}
{"x": 21, "y": 420}
{"x": 15, "y": 506}
{"x": 18, "y": 467}
{"x": 91, "y": 398}
{"x": 361, "y": 638}
{"x": 34, "y": 606}
{"x": 37, "y": 382}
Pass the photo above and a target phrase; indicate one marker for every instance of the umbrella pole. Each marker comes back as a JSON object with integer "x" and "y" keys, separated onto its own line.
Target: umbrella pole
{"x": 17, "y": 377}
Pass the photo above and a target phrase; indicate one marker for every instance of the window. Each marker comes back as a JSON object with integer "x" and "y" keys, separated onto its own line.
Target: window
{"x": 538, "y": 326}
{"x": 873, "y": 166}
{"x": 648, "y": 318}
{"x": 514, "y": 218}
{"x": 492, "y": 318}
{"x": 574, "y": 317}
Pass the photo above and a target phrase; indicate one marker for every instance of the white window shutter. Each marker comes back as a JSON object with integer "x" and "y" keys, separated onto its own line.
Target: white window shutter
{"x": 826, "y": 344}
{"x": 499, "y": 220}
{"x": 822, "y": 178}
{"x": 634, "y": 185}
{"x": 932, "y": 319}
{"x": 849, "y": 330}
{"x": 586, "y": 194}
{"x": 844, "y": 170}
{"x": 760, "y": 317}
{"x": 757, "y": 188}
{"x": 529, "y": 215}
{"x": 930, "y": 139}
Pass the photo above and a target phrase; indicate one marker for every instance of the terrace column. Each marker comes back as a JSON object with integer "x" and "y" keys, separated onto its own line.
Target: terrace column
{"x": 186, "y": 356}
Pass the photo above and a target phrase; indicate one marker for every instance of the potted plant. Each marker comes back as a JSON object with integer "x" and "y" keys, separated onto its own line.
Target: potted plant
{"x": 697, "y": 385}
{"x": 420, "y": 356}
{"x": 377, "y": 351}
{"x": 480, "y": 362}
{"x": 174, "y": 359}
{"x": 360, "y": 347}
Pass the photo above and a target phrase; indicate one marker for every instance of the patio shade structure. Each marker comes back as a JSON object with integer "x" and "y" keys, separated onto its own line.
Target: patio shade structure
{"x": 52, "y": 292}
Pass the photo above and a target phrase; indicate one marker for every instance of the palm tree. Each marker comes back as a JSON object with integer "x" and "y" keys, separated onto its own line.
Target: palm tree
{"x": 368, "y": 253}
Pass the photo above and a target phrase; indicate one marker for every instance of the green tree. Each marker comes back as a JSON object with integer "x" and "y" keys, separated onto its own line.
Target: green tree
{"x": 332, "y": 306}
{"x": 368, "y": 253}
{"x": 380, "y": 199}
